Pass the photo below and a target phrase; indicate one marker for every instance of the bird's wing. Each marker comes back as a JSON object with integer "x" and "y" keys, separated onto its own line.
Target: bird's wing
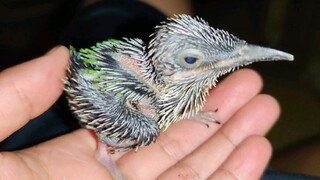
{"x": 103, "y": 84}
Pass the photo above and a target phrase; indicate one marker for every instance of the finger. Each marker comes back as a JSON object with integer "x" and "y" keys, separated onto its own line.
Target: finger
{"x": 28, "y": 89}
{"x": 255, "y": 118}
{"x": 67, "y": 157}
{"x": 248, "y": 161}
{"x": 184, "y": 137}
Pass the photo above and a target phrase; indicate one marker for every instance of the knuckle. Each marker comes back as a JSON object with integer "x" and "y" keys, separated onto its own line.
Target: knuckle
{"x": 186, "y": 171}
{"x": 22, "y": 99}
{"x": 172, "y": 149}
{"x": 223, "y": 174}
{"x": 227, "y": 138}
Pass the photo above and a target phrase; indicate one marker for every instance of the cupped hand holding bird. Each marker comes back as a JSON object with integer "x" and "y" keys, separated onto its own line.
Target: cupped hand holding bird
{"x": 234, "y": 150}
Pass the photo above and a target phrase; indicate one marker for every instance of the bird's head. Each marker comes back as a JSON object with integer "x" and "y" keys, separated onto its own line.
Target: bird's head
{"x": 186, "y": 49}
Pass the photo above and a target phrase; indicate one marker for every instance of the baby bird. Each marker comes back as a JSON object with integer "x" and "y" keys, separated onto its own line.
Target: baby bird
{"x": 128, "y": 91}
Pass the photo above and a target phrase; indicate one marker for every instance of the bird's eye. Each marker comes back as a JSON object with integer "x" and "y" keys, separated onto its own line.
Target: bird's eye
{"x": 190, "y": 60}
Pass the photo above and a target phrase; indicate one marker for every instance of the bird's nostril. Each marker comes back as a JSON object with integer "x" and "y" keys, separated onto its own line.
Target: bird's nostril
{"x": 242, "y": 51}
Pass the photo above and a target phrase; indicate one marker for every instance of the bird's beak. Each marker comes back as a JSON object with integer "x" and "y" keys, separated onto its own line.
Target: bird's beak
{"x": 248, "y": 54}
{"x": 256, "y": 53}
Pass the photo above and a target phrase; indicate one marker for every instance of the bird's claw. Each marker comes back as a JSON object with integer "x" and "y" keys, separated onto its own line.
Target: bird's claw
{"x": 207, "y": 116}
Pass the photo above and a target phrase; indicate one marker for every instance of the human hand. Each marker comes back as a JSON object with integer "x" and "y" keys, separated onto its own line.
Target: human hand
{"x": 188, "y": 150}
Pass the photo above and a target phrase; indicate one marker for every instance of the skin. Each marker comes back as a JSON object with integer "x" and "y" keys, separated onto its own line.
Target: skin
{"x": 188, "y": 150}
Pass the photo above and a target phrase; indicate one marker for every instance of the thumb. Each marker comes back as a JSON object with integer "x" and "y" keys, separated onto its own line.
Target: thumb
{"x": 28, "y": 89}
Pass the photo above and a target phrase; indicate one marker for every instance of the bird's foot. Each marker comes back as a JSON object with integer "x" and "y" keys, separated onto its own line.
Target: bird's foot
{"x": 104, "y": 158}
{"x": 207, "y": 117}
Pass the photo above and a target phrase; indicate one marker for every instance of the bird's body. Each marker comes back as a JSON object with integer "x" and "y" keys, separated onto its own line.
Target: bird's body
{"x": 128, "y": 91}
{"x": 109, "y": 93}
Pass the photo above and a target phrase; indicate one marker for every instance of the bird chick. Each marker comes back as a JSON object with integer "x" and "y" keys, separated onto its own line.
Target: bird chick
{"x": 128, "y": 91}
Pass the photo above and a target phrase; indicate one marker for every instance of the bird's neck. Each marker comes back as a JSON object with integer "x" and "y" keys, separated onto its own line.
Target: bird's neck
{"x": 182, "y": 101}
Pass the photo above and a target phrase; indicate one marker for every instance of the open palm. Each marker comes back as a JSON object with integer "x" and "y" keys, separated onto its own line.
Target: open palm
{"x": 188, "y": 150}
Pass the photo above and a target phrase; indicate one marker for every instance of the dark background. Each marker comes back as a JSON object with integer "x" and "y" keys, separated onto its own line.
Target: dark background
{"x": 29, "y": 28}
